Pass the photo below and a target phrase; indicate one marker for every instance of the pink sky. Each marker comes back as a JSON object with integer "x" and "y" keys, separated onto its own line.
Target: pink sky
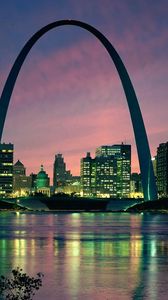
{"x": 68, "y": 97}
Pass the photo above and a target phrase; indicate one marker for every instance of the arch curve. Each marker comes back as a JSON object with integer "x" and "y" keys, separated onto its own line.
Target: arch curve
{"x": 144, "y": 156}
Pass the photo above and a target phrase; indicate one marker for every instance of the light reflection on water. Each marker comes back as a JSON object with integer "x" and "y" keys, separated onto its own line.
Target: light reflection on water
{"x": 88, "y": 255}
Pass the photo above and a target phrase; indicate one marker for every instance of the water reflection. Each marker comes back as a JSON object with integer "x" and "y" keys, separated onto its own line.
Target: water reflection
{"x": 89, "y": 256}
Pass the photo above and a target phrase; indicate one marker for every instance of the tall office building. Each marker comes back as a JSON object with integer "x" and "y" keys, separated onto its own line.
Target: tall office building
{"x": 6, "y": 169}
{"x": 162, "y": 169}
{"x": 88, "y": 176}
{"x": 59, "y": 171}
{"x": 122, "y": 156}
{"x": 60, "y": 175}
{"x": 108, "y": 174}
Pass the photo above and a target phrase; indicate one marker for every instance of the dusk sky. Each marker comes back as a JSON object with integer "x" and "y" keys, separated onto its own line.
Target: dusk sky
{"x": 68, "y": 97}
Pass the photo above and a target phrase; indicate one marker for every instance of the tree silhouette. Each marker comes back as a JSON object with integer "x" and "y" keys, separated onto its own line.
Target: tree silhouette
{"x": 19, "y": 286}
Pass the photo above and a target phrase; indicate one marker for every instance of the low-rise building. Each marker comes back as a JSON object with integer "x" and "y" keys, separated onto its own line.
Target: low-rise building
{"x": 43, "y": 182}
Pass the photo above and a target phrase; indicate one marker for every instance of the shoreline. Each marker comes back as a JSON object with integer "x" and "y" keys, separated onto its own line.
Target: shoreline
{"x": 64, "y": 205}
{"x": 152, "y": 211}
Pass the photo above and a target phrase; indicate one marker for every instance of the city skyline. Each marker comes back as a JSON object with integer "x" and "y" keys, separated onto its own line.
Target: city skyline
{"x": 106, "y": 174}
{"x": 68, "y": 68}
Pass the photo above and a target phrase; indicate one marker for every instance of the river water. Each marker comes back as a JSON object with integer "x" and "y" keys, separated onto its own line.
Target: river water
{"x": 89, "y": 256}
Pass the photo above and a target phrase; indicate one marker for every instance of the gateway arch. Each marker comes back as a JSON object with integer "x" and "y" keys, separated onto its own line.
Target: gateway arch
{"x": 144, "y": 156}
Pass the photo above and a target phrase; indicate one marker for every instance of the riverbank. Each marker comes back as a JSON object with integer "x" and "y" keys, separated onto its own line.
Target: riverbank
{"x": 64, "y": 203}
{"x": 157, "y": 206}
{"x": 9, "y": 206}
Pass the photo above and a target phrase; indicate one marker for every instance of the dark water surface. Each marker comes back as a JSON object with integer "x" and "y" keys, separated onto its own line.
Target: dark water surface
{"x": 89, "y": 255}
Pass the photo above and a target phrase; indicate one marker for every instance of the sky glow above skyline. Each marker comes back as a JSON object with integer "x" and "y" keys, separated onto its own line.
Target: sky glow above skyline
{"x": 68, "y": 97}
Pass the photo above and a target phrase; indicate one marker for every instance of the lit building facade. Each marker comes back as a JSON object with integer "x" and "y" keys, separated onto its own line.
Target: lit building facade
{"x": 108, "y": 174}
{"x": 6, "y": 169}
{"x": 162, "y": 169}
{"x": 22, "y": 184}
{"x": 136, "y": 190}
{"x": 122, "y": 157}
{"x": 154, "y": 162}
{"x": 42, "y": 179}
{"x": 88, "y": 176}
{"x": 72, "y": 186}
{"x": 43, "y": 182}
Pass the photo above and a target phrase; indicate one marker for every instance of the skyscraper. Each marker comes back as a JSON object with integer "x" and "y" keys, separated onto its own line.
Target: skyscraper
{"x": 122, "y": 156}
{"x": 59, "y": 171}
{"x": 108, "y": 174}
{"x": 88, "y": 176}
{"x": 60, "y": 174}
{"x": 6, "y": 169}
{"x": 162, "y": 169}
